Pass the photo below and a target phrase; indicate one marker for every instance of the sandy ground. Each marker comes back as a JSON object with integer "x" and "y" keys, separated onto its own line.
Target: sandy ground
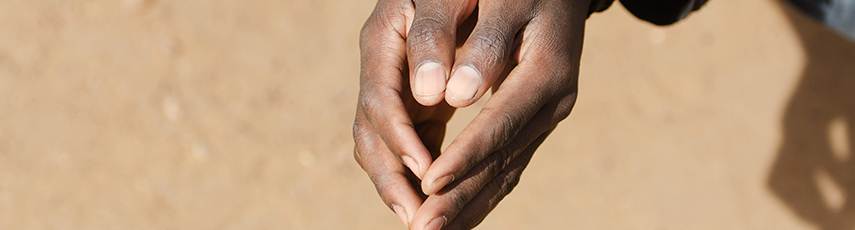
{"x": 151, "y": 114}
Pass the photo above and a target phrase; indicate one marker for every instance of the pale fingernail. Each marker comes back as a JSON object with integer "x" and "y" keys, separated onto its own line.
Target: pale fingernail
{"x": 411, "y": 163}
{"x": 402, "y": 214}
{"x": 429, "y": 79}
{"x": 464, "y": 83}
{"x": 439, "y": 183}
{"x": 436, "y": 224}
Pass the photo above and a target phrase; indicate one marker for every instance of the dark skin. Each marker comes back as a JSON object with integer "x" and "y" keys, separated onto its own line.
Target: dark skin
{"x": 527, "y": 51}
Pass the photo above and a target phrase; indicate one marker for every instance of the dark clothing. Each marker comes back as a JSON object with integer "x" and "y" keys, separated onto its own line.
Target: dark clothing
{"x": 812, "y": 8}
{"x": 836, "y": 14}
{"x": 659, "y": 12}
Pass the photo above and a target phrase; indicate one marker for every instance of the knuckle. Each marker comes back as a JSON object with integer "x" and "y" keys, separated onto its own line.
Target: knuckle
{"x": 565, "y": 106}
{"x": 566, "y": 77}
{"x": 511, "y": 181}
{"x": 503, "y": 185}
{"x": 357, "y": 158}
{"x": 360, "y": 134}
{"x": 511, "y": 178}
{"x": 505, "y": 155}
{"x": 426, "y": 32}
{"x": 382, "y": 19}
{"x": 365, "y": 32}
{"x": 561, "y": 107}
{"x": 504, "y": 127}
{"x": 368, "y": 104}
{"x": 495, "y": 164}
{"x": 459, "y": 200}
{"x": 371, "y": 27}
{"x": 357, "y": 131}
{"x": 492, "y": 44}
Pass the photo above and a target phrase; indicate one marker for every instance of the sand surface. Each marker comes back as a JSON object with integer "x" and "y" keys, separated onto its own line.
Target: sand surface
{"x": 154, "y": 114}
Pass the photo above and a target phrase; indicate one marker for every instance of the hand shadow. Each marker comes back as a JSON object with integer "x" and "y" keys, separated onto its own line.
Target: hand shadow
{"x": 813, "y": 158}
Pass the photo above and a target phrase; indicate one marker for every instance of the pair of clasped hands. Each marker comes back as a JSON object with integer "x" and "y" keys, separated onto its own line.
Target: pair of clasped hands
{"x": 422, "y": 59}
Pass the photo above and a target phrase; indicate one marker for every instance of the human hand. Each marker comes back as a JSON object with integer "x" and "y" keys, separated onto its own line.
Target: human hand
{"x": 535, "y": 43}
{"x": 396, "y": 137}
{"x": 528, "y": 51}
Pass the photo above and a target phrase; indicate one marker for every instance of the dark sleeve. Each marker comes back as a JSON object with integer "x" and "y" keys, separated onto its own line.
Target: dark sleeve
{"x": 659, "y": 12}
{"x": 599, "y": 6}
{"x": 812, "y": 8}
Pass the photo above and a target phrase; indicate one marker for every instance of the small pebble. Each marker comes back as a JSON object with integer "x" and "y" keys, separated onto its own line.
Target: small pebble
{"x": 307, "y": 159}
{"x": 657, "y": 36}
{"x": 200, "y": 151}
{"x": 171, "y": 109}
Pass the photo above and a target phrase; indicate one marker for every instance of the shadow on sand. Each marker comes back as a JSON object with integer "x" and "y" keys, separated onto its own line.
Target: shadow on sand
{"x": 814, "y": 173}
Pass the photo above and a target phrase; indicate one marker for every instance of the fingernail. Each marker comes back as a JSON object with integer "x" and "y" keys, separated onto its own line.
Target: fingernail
{"x": 402, "y": 214}
{"x": 464, "y": 83}
{"x": 439, "y": 183}
{"x": 411, "y": 163}
{"x": 436, "y": 224}
{"x": 429, "y": 79}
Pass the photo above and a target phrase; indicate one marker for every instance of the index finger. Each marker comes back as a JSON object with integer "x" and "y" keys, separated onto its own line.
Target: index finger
{"x": 393, "y": 182}
{"x": 383, "y": 67}
{"x": 548, "y": 68}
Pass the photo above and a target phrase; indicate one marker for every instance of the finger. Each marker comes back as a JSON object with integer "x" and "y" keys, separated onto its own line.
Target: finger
{"x": 544, "y": 72}
{"x": 431, "y": 45}
{"x": 507, "y": 112}
{"x": 393, "y": 182}
{"x": 453, "y": 197}
{"x": 483, "y": 57}
{"x": 442, "y": 209}
{"x": 488, "y": 197}
{"x": 383, "y": 53}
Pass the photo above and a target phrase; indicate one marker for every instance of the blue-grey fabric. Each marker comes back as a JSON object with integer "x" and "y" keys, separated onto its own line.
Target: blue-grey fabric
{"x": 840, "y": 16}
{"x": 836, "y": 14}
